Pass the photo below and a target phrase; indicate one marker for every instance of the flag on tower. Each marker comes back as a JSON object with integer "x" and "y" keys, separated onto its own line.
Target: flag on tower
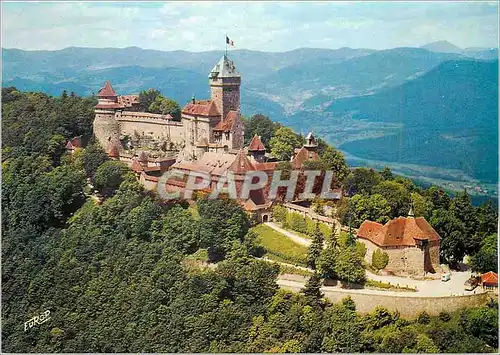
{"x": 230, "y": 42}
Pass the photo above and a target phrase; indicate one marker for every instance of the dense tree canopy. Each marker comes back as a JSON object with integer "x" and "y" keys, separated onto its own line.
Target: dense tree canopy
{"x": 166, "y": 106}
{"x": 283, "y": 142}
{"x": 262, "y": 126}
{"x": 35, "y": 123}
{"x": 125, "y": 274}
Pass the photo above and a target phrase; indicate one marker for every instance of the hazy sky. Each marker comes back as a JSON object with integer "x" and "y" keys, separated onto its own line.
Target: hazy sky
{"x": 265, "y": 26}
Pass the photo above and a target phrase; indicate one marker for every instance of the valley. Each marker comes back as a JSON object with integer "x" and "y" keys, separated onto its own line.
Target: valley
{"x": 432, "y": 107}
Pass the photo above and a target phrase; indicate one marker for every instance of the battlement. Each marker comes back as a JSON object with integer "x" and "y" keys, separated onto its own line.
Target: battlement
{"x": 146, "y": 117}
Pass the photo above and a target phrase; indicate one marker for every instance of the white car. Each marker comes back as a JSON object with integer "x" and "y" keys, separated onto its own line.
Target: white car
{"x": 446, "y": 277}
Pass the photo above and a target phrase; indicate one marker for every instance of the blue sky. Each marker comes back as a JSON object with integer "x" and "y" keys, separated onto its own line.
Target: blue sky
{"x": 265, "y": 26}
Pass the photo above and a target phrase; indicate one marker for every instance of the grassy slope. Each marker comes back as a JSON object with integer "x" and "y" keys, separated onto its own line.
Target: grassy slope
{"x": 280, "y": 248}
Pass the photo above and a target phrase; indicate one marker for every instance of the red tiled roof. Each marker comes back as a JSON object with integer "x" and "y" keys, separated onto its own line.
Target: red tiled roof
{"x": 73, "y": 143}
{"x": 489, "y": 278}
{"x": 256, "y": 144}
{"x": 177, "y": 183}
{"x": 400, "y": 231}
{"x": 114, "y": 152}
{"x": 107, "y": 90}
{"x": 369, "y": 230}
{"x": 227, "y": 124}
{"x": 265, "y": 166}
{"x": 303, "y": 155}
{"x": 136, "y": 166}
{"x": 151, "y": 178}
{"x": 201, "y": 108}
{"x": 241, "y": 164}
{"x": 152, "y": 168}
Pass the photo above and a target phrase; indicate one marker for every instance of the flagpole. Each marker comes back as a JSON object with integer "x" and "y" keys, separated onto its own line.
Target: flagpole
{"x": 226, "y": 44}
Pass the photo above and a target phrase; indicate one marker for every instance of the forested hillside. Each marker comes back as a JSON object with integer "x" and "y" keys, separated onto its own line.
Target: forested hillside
{"x": 130, "y": 274}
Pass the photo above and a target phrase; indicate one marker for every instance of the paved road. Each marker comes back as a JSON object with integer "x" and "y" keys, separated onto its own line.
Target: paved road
{"x": 297, "y": 282}
{"x": 431, "y": 288}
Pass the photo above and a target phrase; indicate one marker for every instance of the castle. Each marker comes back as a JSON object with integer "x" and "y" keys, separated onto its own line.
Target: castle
{"x": 209, "y": 138}
{"x": 123, "y": 128}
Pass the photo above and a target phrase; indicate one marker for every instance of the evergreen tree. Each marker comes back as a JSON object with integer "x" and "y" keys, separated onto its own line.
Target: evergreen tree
{"x": 327, "y": 261}
{"x": 312, "y": 290}
{"x": 315, "y": 248}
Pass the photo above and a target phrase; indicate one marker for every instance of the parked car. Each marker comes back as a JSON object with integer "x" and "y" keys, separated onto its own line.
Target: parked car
{"x": 472, "y": 283}
{"x": 446, "y": 277}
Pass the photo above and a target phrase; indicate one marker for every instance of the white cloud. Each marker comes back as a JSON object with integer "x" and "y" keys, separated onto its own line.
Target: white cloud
{"x": 267, "y": 26}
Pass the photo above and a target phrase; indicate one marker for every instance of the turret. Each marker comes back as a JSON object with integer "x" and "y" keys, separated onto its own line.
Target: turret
{"x": 106, "y": 127}
{"x": 311, "y": 143}
{"x": 257, "y": 149}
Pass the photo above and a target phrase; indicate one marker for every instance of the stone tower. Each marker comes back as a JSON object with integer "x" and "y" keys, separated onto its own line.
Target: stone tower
{"x": 106, "y": 127}
{"x": 225, "y": 84}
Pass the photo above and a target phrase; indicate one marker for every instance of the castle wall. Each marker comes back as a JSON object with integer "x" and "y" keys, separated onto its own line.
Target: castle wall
{"x": 407, "y": 305}
{"x": 434, "y": 255}
{"x": 404, "y": 260}
{"x": 106, "y": 128}
{"x": 195, "y": 128}
{"x": 156, "y": 129}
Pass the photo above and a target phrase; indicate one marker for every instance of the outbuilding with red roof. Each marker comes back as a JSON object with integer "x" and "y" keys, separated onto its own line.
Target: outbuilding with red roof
{"x": 410, "y": 242}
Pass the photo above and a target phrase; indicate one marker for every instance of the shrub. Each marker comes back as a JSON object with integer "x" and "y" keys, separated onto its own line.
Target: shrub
{"x": 423, "y": 318}
{"x": 444, "y": 316}
{"x": 380, "y": 259}
{"x": 279, "y": 213}
{"x": 296, "y": 222}
{"x": 361, "y": 249}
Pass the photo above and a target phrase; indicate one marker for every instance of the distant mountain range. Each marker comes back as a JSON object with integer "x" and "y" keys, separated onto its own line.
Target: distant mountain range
{"x": 473, "y": 52}
{"x": 354, "y": 97}
{"x": 448, "y": 117}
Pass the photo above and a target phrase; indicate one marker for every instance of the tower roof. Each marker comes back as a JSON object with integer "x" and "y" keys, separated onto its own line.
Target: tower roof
{"x": 143, "y": 157}
{"x": 310, "y": 141}
{"x": 107, "y": 90}
{"x": 256, "y": 144}
{"x": 225, "y": 68}
{"x": 302, "y": 156}
{"x": 228, "y": 124}
{"x": 241, "y": 164}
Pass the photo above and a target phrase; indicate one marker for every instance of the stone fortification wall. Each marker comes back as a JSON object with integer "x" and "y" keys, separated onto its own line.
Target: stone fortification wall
{"x": 106, "y": 128}
{"x": 157, "y": 129}
{"x": 404, "y": 260}
{"x": 407, "y": 306}
{"x": 307, "y": 212}
{"x": 434, "y": 255}
{"x": 411, "y": 306}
